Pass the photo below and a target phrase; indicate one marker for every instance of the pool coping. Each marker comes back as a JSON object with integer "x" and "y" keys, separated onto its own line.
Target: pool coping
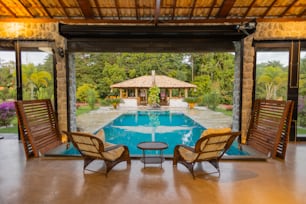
{"x": 254, "y": 155}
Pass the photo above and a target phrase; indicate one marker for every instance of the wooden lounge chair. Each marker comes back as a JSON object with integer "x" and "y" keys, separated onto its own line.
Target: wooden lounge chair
{"x": 38, "y": 126}
{"x": 210, "y": 147}
{"x": 93, "y": 147}
{"x": 269, "y": 127}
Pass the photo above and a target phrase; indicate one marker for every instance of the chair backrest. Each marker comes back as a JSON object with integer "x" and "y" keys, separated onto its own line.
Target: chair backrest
{"x": 38, "y": 126}
{"x": 213, "y": 146}
{"x": 269, "y": 127}
{"x": 87, "y": 144}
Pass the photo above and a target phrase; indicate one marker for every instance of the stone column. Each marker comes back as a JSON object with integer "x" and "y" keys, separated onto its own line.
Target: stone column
{"x": 72, "y": 93}
{"x": 237, "y": 87}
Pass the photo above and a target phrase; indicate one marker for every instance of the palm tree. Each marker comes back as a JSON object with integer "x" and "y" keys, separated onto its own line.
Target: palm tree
{"x": 33, "y": 79}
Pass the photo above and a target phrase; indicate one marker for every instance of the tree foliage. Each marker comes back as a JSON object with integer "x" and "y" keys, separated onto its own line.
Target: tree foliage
{"x": 202, "y": 69}
{"x": 270, "y": 81}
{"x": 153, "y": 98}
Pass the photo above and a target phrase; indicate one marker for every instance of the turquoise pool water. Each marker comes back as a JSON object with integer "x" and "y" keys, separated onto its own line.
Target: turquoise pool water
{"x": 164, "y": 126}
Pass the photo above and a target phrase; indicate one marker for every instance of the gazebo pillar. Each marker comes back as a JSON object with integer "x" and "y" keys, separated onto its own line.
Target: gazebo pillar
{"x": 170, "y": 93}
{"x": 121, "y": 93}
{"x": 186, "y": 93}
{"x": 136, "y": 92}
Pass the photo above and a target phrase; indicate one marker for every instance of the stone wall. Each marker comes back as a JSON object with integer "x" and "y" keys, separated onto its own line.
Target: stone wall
{"x": 264, "y": 31}
{"x": 43, "y": 32}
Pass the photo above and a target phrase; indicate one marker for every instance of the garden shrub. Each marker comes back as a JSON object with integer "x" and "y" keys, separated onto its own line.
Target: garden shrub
{"x": 7, "y": 113}
{"x": 212, "y": 100}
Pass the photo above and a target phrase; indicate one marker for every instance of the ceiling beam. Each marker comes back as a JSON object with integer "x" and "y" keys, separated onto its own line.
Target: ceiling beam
{"x": 117, "y": 9}
{"x": 225, "y": 8}
{"x": 302, "y": 13}
{"x": 28, "y": 11}
{"x": 97, "y": 31}
{"x": 249, "y": 8}
{"x": 211, "y": 8}
{"x": 147, "y": 22}
{"x": 137, "y": 9}
{"x": 45, "y": 9}
{"x": 269, "y": 8}
{"x": 192, "y": 8}
{"x": 98, "y": 8}
{"x": 288, "y": 8}
{"x": 157, "y": 12}
{"x": 8, "y": 9}
{"x": 86, "y": 8}
{"x": 173, "y": 9}
{"x": 63, "y": 8}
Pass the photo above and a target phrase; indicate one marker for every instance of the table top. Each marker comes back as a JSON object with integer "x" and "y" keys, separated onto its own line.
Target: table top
{"x": 152, "y": 145}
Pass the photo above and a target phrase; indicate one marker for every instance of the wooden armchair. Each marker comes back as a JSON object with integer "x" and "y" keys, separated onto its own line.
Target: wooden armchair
{"x": 210, "y": 147}
{"x": 269, "y": 127}
{"x": 93, "y": 147}
{"x": 38, "y": 126}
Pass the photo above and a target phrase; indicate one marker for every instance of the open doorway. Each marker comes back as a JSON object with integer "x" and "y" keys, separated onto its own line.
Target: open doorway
{"x": 211, "y": 72}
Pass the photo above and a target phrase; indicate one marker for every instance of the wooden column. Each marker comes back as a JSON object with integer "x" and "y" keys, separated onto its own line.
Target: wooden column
{"x": 136, "y": 92}
{"x": 120, "y": 95}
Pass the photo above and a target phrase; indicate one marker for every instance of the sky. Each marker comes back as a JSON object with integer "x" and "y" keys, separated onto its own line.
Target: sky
{"x": 26, "y": 57}
{"x": 38, "y": 57}
{"x": 282, "y": 57}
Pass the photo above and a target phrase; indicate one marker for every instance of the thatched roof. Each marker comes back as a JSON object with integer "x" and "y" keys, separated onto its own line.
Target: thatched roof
{"x": 147, "y": 81}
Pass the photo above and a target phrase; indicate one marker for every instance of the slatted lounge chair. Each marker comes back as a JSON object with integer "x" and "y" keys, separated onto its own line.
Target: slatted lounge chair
{"x": 93, "y": 147}
{"x": 38, "y": 126}
{"x": 210, "y": 147}
{"x": 269, "y": 127}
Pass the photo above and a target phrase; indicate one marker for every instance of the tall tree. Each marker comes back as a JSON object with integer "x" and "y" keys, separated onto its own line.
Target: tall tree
{"x": 272, "y": 79}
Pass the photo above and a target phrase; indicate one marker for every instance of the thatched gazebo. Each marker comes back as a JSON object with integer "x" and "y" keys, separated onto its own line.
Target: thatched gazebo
{"x": 172, "y": 91}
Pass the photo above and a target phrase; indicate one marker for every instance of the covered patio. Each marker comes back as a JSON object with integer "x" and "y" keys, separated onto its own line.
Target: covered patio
{"x": 66, "y": 27}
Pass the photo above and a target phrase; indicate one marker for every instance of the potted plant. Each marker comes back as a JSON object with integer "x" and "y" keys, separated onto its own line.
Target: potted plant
{"x": 153, "y": 98}
{"x": 191, "y": 101}
{"x": 115, "y": 102}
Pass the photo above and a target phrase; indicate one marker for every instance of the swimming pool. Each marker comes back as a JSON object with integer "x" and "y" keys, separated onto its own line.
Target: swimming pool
{"x": 172, "y": 128}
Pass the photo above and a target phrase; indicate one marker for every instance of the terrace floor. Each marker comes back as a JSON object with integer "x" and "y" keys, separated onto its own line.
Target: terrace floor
{"x": 62, "y": 180}
{"x": 57, "y": 181}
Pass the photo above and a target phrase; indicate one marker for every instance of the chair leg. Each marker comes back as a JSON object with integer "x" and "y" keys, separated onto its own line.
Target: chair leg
{"x": 176, "y": 155}
{"x": 87, "y": 161}
{"x": 215, "y": 163}
{"x": 124, "y": 157}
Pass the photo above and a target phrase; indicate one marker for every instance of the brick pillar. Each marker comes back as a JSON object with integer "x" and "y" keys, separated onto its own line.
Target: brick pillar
{"x": 247, "y": 84}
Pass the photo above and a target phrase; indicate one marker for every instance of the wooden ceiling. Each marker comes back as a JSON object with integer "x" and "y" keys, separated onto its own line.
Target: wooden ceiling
{"x": 152, "y": 12}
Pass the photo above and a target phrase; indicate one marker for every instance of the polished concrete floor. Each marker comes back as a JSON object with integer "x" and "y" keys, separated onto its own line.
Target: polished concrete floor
{"x": 58, "y": 181}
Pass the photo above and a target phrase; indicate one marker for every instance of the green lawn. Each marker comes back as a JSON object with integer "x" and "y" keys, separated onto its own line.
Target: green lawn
{"x": 301, "y": 131}
{"x": 225, "y": 112}
{"x": 13, "y": 129}
{"x": 84, "y": 109}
